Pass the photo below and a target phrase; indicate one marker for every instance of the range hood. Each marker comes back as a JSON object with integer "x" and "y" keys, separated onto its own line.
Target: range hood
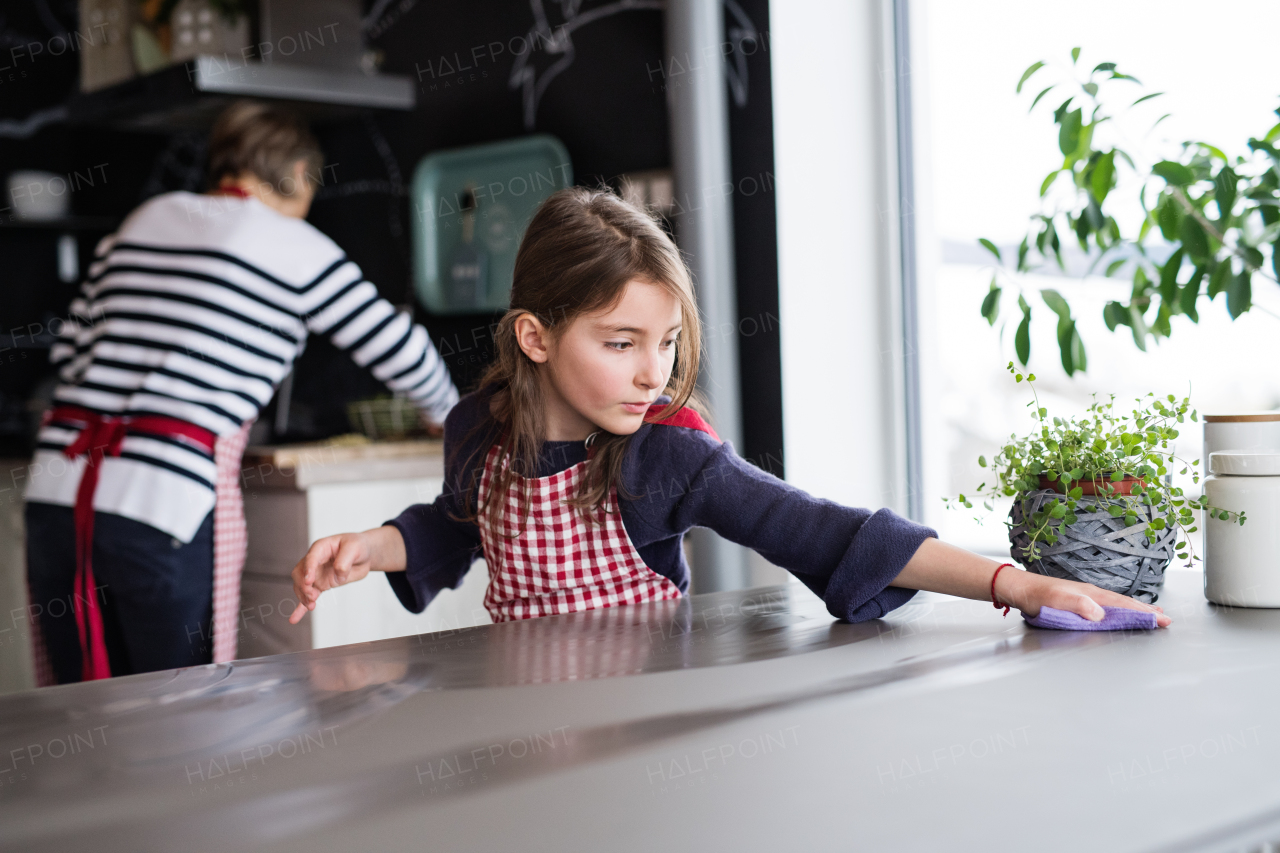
{"x": 308, "y": 53}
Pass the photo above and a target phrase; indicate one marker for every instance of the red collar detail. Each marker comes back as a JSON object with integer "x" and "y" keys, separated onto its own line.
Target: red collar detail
{"x": 685, "y": 417}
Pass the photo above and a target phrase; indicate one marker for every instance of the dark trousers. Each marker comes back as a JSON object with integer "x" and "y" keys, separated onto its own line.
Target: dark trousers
{"x": 155, "y": 593}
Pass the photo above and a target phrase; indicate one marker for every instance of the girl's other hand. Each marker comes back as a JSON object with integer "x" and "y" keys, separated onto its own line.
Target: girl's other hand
{"x": 433, "y": 429}
{"x": 331, "y": 561}
{"x": 1029, "y": 592}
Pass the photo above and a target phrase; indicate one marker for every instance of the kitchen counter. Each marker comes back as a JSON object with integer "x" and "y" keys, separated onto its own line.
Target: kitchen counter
{"x": 299, "y": 466}
{"x": 748, "y": 720}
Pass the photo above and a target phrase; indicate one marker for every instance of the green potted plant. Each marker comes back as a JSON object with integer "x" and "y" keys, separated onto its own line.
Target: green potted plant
{"x": 1093, "y": 497}
{"x": 1217, "y": 215}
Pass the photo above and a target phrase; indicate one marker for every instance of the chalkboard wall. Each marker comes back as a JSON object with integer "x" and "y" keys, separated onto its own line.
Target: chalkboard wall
{"x": 604, "y": 95}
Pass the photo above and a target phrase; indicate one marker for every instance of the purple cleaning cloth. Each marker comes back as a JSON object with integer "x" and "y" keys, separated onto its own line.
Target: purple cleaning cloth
{"x": 1116, "y": 619}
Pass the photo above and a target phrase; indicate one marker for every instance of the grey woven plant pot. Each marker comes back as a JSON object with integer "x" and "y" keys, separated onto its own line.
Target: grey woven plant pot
{"x": 1097, "y": 549}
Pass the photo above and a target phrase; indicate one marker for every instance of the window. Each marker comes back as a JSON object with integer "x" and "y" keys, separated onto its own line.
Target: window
{"x": 985, "y": 160}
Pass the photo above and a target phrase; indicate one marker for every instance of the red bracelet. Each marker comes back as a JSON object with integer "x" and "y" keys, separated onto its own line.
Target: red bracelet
{"x": 995, "y": 602}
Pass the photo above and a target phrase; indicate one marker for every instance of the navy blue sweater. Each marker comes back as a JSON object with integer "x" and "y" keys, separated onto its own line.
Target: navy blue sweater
{"x": 686, "y": 479}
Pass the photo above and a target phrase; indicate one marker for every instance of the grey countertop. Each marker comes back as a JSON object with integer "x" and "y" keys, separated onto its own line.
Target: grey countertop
{"x": 747, "y": 720}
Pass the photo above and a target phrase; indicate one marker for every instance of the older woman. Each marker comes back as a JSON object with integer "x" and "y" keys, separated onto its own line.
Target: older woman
{"x": 192, "y": 314}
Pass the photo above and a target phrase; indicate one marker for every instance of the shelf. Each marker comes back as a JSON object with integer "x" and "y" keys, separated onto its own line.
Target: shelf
{"x": 65, "y": 223}
{"x": 189, "y": 95}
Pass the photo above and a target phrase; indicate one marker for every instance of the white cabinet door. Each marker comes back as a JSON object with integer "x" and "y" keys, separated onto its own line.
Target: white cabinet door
{"x": 369, "y": 610}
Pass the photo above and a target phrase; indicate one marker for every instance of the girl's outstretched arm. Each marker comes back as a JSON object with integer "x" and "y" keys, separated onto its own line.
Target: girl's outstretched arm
{"x": 940, "y": 567}
{"x": 863, "y": 564}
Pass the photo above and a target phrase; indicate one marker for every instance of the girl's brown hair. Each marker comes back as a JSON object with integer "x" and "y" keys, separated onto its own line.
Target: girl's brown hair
{"x": 578, "y": 253}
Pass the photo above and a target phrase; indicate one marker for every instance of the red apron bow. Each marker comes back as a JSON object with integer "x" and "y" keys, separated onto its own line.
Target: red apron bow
{"x": 101, "y": 436}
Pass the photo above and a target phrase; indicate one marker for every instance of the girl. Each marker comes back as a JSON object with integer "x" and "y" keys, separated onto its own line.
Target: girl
{"x": 576, "y": 468}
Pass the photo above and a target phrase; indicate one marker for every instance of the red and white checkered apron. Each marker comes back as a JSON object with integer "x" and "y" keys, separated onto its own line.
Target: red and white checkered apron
{"x": 230, "y": 542}
{"x": 560, "y": 562}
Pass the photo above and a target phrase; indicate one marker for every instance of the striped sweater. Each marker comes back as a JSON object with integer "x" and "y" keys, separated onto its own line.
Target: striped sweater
{"x": 196, "y": 309}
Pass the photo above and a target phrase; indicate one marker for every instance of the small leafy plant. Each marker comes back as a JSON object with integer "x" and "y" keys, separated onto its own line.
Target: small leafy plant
{"x": 1105, "y": 448}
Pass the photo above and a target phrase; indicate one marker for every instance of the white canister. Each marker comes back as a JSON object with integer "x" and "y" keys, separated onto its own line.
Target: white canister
{"x": 1242, "y": 561}
{"x": 1259, "y": 431}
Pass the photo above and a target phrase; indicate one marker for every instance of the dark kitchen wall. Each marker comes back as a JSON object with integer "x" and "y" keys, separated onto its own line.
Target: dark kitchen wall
{"x": 483, "y": 73}
{"x": 596, "y": 97}
{"x": 102, "y": 173}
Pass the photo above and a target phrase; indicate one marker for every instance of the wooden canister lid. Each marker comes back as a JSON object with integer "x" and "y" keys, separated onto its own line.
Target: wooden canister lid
{"x": 1255, "y": 417}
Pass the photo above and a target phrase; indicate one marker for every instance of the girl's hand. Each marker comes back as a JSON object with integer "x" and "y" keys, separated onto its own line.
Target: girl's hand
{"x": 940, "y": 567}
{"x": 342, "y": 559}
{"x": 1029, "y": 592}
{"x": 435, "y": 430}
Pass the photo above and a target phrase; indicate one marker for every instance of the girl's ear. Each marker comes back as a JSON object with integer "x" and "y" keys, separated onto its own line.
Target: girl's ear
{"x": 532, "y": 337}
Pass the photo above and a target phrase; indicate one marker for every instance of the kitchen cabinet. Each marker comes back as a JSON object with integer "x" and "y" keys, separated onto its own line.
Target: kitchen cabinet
{"x": 295, "y": 495}
{"x": 15, "y": 633}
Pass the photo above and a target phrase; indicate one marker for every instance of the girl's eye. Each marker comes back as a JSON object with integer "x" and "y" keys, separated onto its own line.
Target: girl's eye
{"x": 620, "y": 345}
{"x": 670, "y": 343}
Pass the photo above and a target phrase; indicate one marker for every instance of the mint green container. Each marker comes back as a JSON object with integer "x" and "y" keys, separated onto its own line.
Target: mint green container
{"x": 470, "y": 209}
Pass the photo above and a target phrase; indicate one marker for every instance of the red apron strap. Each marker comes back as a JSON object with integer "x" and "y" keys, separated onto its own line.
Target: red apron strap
{"x": 173, "y": 427}
{"x": 156, "y": 424}
{"x": 101, "y": 436}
